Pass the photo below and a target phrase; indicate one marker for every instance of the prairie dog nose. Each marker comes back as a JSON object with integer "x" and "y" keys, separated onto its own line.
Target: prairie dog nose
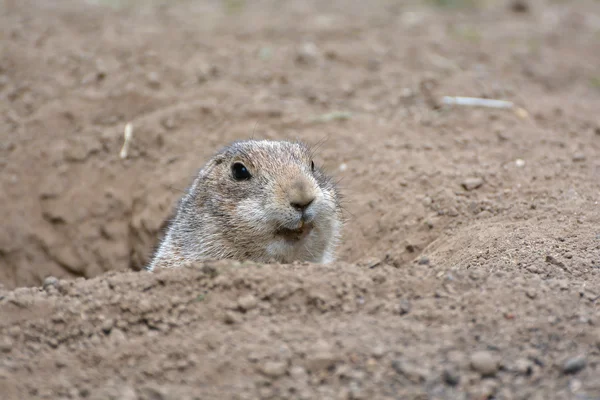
{"x": 301, "y": 195}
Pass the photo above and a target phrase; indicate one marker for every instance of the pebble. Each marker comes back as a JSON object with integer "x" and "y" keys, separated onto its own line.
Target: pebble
{"x": 574, "y": 365}
{"x": 523, "y": 367}
{"x": 404, "y": 307}
{"x": 107, "y": 326}
{"x": 320, "y": 361}
{"x": 6, "y": 345}
{"x": 519, "y": 163}
{"x": 153, "y": 79}
{"x": 247, "y": 302}
{"x": 78, "y": 151}
{"x": 451, "y": 377}
{"x": 413, "y": 372}
{"x": 298, "y": 373}
{"x": 577, "y": 157}
{"x": 231, "y": 318}
{"x": 378, "y": 351}
{"x": 50, "y": 281}
{"x": 472, "y": 183}
{"x": 307, "y": 54}
{"x": 274, "y": 369}
{"x": 484, "y": 362}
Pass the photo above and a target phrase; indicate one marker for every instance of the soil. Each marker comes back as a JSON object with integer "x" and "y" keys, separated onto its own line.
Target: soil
{"x": 470, "y": 265}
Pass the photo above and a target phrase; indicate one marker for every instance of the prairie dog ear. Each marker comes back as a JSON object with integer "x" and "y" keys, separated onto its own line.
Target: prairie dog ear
{"x": 208, "y": 168}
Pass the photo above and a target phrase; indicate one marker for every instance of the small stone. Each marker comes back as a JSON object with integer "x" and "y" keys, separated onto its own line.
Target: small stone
{"x": 531, "y": 293}
{"x": 413, "y": 372}
{"x": 485, "y": 363}
{"x": 153, "y": 79}
{"x": 452, "y": 212}
{"x": 247, "y": 302}
{"x": 519, "y": 163}
{"x": 523, "y": 366}
{"x": 50, "y": 282}
{"x": 578, "y": 157}
{"x": 451, "y": 377}
{"x": 231, "y": 318}
{"x": 472, "y": 183}
{"x": 76, "y": 152}
{"x": 107, "y": 326}
{"x": 378, "y": 351}
{"x": 6, "y": 345}
{"x": 320, "y": 361}
{"x": 574, "y": 365}
{"x": 575, "y": 385}
{"x": 298, "y": 373}
{"x": 424, "y": 261}
{"x": 404, "y": 307}
{"x": 484, "y": 389}
{"x": 274, "y": 369}
{"x": 307, "y": 54}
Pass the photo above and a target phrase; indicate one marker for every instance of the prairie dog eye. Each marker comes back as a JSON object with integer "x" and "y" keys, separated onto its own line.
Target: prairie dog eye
{"x": 312, "y": 166}
{"x": 240, "y": 172}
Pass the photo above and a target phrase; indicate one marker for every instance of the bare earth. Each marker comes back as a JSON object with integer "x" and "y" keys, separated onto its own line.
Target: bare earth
{"x": 470, "y": 267}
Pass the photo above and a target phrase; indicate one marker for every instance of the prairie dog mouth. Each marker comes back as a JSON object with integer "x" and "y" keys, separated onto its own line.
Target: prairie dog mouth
{"x": 295, "y": 235}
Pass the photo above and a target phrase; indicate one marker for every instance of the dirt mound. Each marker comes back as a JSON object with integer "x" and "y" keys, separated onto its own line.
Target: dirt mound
{"x": 470, "y": 266}
{"x": 231, "y": 330}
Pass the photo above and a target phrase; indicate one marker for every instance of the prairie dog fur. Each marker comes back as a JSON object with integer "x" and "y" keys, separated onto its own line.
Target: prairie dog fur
{"x": 256, "y": 200}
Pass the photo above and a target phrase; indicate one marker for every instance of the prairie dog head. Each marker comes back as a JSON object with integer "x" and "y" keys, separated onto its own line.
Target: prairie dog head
{"x": 260, "y": 200}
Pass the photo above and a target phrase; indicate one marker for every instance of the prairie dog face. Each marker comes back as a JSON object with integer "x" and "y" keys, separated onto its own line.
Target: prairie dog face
{"x": 273, "y": 202}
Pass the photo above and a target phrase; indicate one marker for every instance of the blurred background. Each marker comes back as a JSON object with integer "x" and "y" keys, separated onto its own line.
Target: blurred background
{"x": 366, "y": 78}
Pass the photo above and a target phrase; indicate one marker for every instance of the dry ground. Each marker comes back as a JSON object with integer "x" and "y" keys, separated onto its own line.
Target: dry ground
{"x": 470, "y": 266}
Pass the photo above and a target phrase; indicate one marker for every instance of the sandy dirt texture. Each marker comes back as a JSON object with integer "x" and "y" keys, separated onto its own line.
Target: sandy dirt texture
{"x": 470, "y": 263}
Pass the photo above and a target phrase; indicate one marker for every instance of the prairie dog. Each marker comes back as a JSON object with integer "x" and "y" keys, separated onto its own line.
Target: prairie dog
{"x": 256, "y": 200}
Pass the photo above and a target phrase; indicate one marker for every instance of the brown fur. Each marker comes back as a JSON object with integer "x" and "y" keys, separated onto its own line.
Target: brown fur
{"x": 259, "y": 218}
